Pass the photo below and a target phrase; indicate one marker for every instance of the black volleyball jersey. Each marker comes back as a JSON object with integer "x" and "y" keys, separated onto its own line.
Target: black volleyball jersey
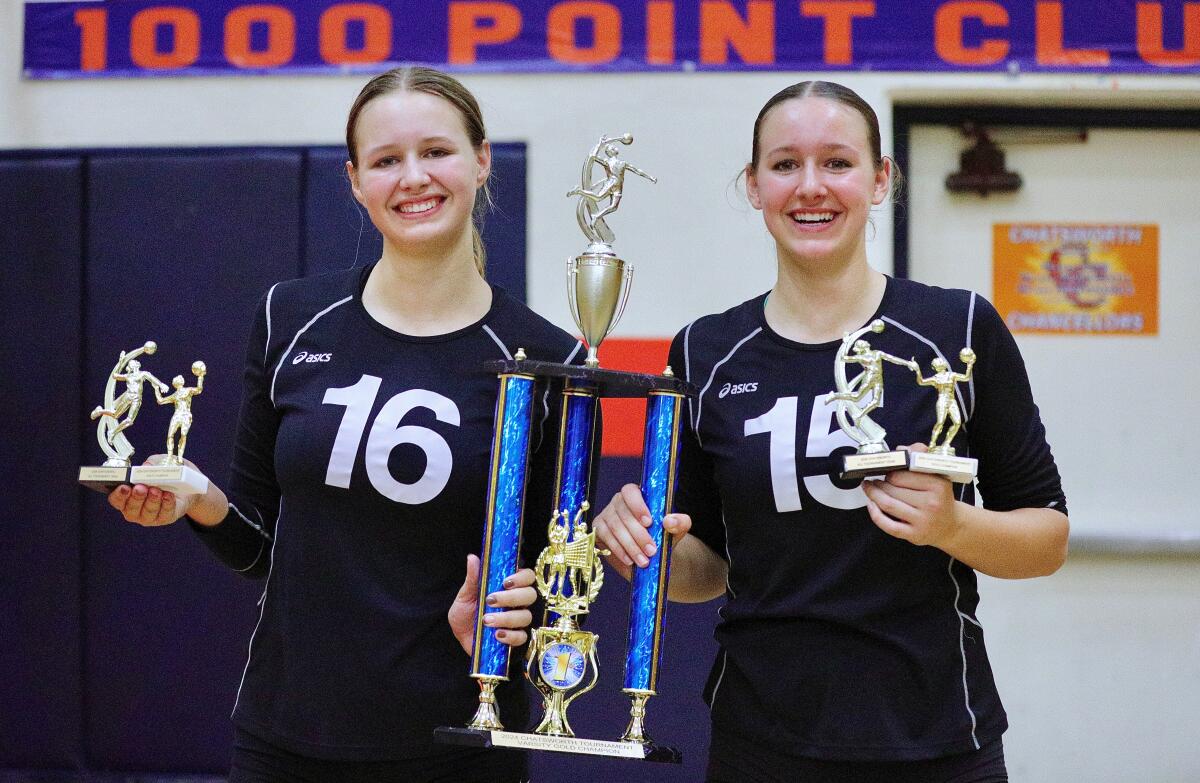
{"x": 837, "y": 640}
{"x": 357, "y": 488}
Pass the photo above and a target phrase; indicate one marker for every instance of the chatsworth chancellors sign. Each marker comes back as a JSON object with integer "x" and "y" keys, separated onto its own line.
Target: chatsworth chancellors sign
{"x": 174, "y": 37}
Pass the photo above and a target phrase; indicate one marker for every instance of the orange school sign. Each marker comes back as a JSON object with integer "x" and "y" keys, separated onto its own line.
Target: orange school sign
{"x": 1072, "y": 278}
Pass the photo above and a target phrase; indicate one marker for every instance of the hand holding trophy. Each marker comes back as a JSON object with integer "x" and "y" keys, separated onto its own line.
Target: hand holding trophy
{"x": 118, "y": 414}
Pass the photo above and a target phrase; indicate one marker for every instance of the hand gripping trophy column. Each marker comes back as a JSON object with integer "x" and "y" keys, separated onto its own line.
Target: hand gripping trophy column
{"x": 561, "y": 660}
{"x": 118, "y": 414}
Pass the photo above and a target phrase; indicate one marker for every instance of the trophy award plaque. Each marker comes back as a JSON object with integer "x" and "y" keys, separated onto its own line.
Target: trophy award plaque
{"x": 941, "y": 458}
{"x": 118, "y": 414}
{"x": 561, "y": 659}
{"x": 857, "y": 398}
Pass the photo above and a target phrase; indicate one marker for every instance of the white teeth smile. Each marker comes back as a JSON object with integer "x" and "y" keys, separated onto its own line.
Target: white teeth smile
{"x": 418, "y": 206}
{"x": 813, "y": 217}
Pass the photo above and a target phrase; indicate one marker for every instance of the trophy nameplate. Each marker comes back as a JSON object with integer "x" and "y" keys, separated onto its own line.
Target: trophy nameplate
{"x": 863, "y": 465}
{"x": 960, "y": 470}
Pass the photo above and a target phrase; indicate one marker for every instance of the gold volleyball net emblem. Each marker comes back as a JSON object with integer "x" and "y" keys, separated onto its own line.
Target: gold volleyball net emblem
{"x": 569, "y": 571}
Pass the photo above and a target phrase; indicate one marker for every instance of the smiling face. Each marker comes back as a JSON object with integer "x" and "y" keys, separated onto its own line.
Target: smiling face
{"x": 816, "y": 180}
{"x": 416, "y": 171}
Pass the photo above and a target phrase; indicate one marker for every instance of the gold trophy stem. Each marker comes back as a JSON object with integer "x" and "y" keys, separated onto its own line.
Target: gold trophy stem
{"x": 554, "y": 722}
{"x": 636, "y": 730}
{"x": 488, "y": 714}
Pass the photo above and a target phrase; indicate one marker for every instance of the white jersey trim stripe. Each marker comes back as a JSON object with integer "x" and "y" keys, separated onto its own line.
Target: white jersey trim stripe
{"x": 720, "y": 677}
{"x": 970, "y": 328}
{"x": 267, "y": 347}
{"x": 262, "y": 544}
{"x": 499, "y": 342}
{"x": 292, "y": 344}
{"x": 713, "y": 374}
{"x": 962, "y": 632}
{"x": 687, "y": 371}
{"x": 262, "y": 609}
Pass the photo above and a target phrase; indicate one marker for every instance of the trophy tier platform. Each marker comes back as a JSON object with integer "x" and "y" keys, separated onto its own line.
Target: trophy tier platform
{"x": 608, "y": 383}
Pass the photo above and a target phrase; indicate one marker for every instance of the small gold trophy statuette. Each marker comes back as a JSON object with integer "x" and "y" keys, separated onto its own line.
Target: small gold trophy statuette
{"x": 110, "y": 431}
{"x": 857, "y": 398}
{"x": 118, "y": 414}
{"x": 569, "y": 574}
{"x": 941, "y": 458}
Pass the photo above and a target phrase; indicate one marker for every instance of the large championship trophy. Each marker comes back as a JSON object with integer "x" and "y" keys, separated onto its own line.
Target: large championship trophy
{"x": 118, "y": 414}
{"x": 857, "y": 398}
{"x": 561, "y": 659}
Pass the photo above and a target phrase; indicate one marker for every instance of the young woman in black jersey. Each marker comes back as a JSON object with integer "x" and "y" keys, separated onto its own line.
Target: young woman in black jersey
{"x": 849, "y": 646}
{"x": 358, "y": 482}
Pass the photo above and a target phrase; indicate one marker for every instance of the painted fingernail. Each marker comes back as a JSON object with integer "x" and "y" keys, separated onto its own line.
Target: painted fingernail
{"x": 491, "y": 600}
{"x": 508, "y": 583}
{"x": 501, "y": 634}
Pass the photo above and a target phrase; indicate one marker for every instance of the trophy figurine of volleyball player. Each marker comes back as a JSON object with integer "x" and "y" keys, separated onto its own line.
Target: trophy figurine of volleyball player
{"x": 941, "y": 458}
{"x": 597, "y": 280}
{"x": 569, "y": 571}
{"x": 856, "y": 399}
{"x": 118, "y": 414}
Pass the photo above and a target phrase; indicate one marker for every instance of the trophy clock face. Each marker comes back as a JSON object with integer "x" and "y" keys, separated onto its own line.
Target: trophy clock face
{"x": 562, "y": 666}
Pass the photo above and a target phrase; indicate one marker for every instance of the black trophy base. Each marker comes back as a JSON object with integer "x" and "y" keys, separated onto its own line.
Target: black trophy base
{"x": 103, "y": 480}
{"x": 486, "y": 738}
{"x": 960, "y": 470}
{"x": 863, "y": 465}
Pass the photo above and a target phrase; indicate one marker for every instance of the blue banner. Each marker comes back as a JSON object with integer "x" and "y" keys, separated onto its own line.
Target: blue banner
{"x": 180, "y": 37}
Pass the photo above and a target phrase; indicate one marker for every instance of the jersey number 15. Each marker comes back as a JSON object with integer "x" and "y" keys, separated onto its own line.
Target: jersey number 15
{"x": 823, "y": 438}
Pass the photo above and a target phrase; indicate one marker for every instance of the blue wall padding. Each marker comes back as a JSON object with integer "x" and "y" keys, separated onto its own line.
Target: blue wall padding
{"x": 180, "y": 249}
{"x": 337, "y": 232}
{"x": 504, "y": 225}
{"x": 39, "y": 558}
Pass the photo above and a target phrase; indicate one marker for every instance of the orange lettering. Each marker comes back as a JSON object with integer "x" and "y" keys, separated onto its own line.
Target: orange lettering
{"x": 948, "y": 33}
{"x": 467, "y": 35}
{"x": 722, "y": 29}
{"x": 839, "y": 19}
{"x": 1049, "y": 34}
{"x": 185, "y": 35}
{"x": 606, "y": 32}
{"x": 93, "y": 38}
{"x": 281, "y": 36}
{"x": 660, "y": 32}
{"x": 377, "y": 33}
{"x": 1150, "y": 35}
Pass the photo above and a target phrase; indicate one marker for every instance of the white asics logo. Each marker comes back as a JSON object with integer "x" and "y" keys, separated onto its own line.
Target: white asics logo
{"x": 305, "y": 356}
{"x": 737, "y": 388}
